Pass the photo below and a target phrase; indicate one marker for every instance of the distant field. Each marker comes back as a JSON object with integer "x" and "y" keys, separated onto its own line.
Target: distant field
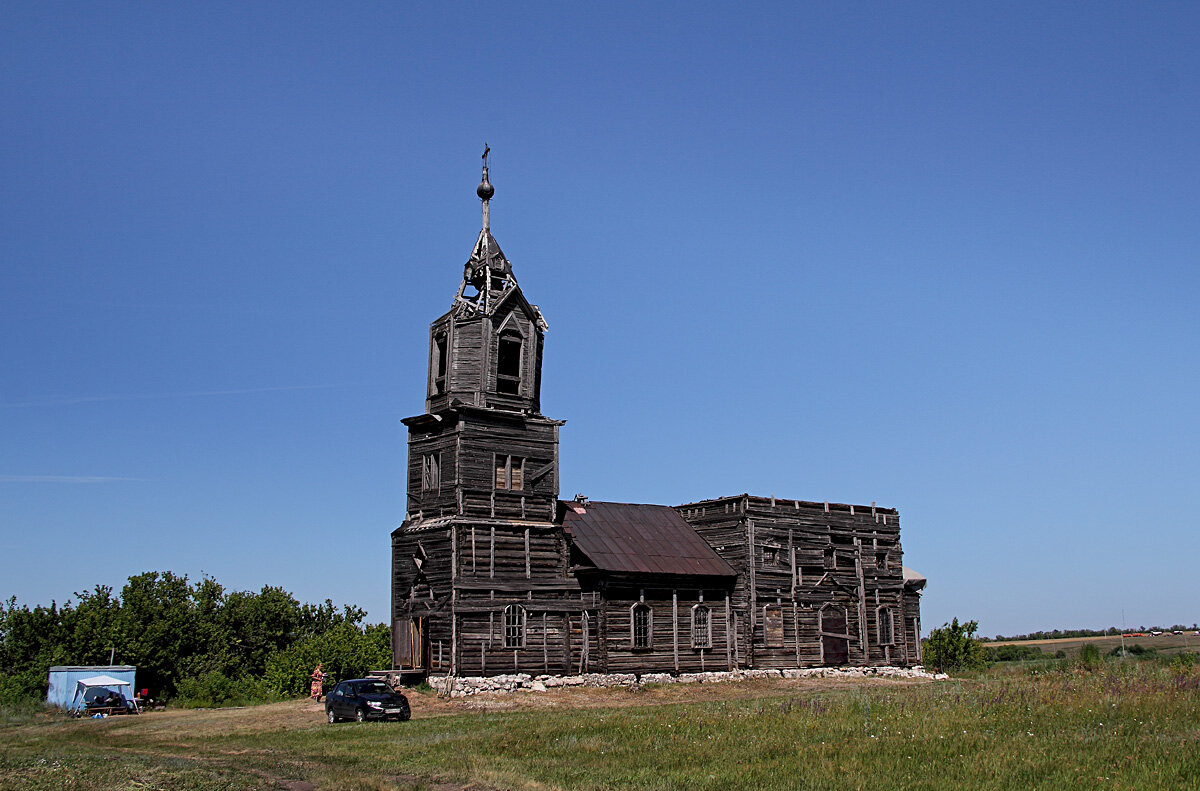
{"x": 1166, "y": 643}
{"x": 1132, "y": 725}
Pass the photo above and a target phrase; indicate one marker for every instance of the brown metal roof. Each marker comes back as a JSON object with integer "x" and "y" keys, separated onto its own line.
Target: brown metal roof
{"x": 649, "y": 539}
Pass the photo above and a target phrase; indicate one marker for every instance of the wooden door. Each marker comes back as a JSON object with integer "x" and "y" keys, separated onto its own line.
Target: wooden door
{"x": 408, "y": 644}
{"x": 835, "y": 642}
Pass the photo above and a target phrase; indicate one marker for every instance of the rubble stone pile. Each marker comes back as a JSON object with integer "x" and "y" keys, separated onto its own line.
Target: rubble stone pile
{"x": 523, "y": 682}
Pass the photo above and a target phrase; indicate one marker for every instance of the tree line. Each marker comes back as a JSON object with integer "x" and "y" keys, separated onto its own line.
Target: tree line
{"x": 191, "y": 640}
{"x": 1055, "y": 634}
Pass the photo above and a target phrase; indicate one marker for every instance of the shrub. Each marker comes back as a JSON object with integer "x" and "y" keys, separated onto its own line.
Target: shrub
{"x": 954, "y": 646}
{"x": 1012, "y": 653}
{"x": 1089, "y": 657}
{"x": 1183, "y": 661}
{"x": 215, "y": 689}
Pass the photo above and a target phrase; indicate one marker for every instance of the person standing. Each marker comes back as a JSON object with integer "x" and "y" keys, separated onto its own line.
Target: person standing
{"x": 318, "y": 683}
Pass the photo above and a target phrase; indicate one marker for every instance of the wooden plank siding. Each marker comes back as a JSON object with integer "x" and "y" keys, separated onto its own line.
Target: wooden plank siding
{"x": 671, "y": 647}
{"x": 796, "y": 557}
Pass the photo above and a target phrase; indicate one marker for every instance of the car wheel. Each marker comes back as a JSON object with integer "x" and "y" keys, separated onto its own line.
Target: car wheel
{"x": 332, "y": 717}
{"x": 359, "y": 715}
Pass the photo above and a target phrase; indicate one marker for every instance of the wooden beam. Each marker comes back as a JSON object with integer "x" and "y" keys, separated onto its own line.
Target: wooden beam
{"x": 675, "y": 627}
{"x": 540, "y": 472}
{"x": 796, "y": 630}
{"x": 728, "y": 633}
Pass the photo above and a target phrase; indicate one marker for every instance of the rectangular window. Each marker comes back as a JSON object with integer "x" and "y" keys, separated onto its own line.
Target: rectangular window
{"x": 641, "y": 626}
{"x": 773, "y": 625}
{"x": 439, "y": 365}
{"x": 701, "y": 627}
{"x": 887, "y": 629}
{"x": 431, "y": 471}
{"x": 514, "y": 626}
{"x": 508, "y": 364}
{"x": 510, "y": 472}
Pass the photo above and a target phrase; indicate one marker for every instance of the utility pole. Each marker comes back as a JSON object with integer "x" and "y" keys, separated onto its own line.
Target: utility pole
{"x": 1123, "y": 655}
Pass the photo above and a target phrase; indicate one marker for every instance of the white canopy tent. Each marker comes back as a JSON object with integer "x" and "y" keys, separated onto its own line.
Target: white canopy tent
{"x": 105, "y": 682}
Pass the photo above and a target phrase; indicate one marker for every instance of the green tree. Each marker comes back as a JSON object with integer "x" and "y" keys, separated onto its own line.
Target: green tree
{"x": 200, "y": 640}
{"x": 954, "y": 646}
{"x": 158, "y": 630}
{"x": 30, "y": 641}
{"x": 345, "y": 651}
{"x": 254, "y": 626}
{"x": 91, "y": 629}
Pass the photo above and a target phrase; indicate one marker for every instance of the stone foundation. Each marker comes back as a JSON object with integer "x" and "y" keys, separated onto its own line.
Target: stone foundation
{"x": 523, "y": 682}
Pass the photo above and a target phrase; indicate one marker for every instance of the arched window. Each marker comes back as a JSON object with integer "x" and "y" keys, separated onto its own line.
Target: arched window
{"x": 701, "y": 627}
{"x": 514, "y": 626}
{"x": 641, "y": 625}
{"x": 887, "y": 626}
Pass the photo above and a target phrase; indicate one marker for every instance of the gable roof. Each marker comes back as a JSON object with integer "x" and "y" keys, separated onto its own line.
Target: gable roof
{"x": 646, "y": 539}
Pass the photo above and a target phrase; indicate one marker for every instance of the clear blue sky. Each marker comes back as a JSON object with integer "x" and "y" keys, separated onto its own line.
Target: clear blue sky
{"x": 938, "y": 256}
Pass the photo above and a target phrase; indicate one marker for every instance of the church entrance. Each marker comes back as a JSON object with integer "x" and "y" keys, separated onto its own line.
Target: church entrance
{"x": 410, "y": 644}
{"x": 835, "y": 641}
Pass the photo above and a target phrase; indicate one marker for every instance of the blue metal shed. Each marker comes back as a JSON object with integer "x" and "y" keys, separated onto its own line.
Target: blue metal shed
{"x": 67, "y": 692}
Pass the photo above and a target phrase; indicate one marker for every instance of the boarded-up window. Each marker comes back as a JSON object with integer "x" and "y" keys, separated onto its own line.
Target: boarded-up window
{"x": 431, "y": 471}
{"x": 401, "y": 646}
{"x": 701, "y": 627}
{"x": 514, "y": 626}
{"x": 508, "y": 364}
{"x": 773, "y": 625}
{"x": 887, "y": 627}
{"x": 642, "y": 626}
{"x": 510, "y": 472}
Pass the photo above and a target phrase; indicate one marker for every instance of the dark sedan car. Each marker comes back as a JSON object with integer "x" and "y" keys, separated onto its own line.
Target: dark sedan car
{"x": 365, "y": 699}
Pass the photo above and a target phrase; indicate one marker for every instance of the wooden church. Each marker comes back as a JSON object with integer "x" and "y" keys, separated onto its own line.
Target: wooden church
{"x": 492, "y": 573}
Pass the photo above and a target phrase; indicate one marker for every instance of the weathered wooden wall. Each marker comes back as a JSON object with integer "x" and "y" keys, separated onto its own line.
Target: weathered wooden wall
{"x": 671, "y": 641}
{"x": 468, "y": 444}
{"x": 472, "y": 349}
{"x": 795, "y": 558}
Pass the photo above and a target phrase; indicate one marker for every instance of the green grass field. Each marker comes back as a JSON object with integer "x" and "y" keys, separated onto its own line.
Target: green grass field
{"x": 1129, "y": 726}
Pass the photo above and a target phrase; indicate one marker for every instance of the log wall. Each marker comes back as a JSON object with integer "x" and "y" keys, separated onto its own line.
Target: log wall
{"x": 671, "y": 645}
{"x": 795, "y": 558}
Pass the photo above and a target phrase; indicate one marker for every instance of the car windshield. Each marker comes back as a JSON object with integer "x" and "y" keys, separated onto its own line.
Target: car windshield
{"x": 374, "y": 688}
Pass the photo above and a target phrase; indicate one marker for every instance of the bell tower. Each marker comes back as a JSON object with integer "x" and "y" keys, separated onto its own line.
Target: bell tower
{"x": 483, "y": 448}
{"x": 487, "y": 351}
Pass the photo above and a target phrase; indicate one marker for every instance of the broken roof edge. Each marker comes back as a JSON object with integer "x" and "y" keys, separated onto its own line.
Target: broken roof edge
{"x": 785, "y": 501}
{"x": 416, "y": 524}
{"x": 456, "y": 406}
